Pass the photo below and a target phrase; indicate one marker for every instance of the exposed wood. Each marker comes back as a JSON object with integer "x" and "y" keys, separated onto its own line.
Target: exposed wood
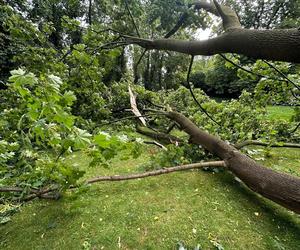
{"x": 156, "y": 144}
{"x": 134, "y": 108}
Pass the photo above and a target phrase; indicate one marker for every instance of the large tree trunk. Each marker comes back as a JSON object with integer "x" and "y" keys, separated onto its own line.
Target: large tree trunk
{"x": 281, "y": 188}
{"x": 282, "y": 45}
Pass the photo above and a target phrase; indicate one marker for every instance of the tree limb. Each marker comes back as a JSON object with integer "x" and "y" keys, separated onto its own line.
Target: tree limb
{"x": 278, "y": 44}
{"x": 214, "y": 164}
{"x": 161, "y": 137}
{"x": 281, "y": 188}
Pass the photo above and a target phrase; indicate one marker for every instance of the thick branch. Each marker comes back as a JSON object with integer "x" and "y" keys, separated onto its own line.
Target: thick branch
{"x": 281, "y": 188}
{"x": 161, "y": 137}
{"x": 279, "y": 44}
{"x": 214, "y": 164}
{"x": 229, "y": 17}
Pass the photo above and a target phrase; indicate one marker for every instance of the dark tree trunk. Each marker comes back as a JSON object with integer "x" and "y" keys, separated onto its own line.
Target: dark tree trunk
{"x": 281, "y": 188}
{"x": 146, "y": 73}
{"x": 90, "y": 12}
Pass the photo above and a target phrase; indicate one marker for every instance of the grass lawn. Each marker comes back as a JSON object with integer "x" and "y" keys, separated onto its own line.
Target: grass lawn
{"x": 280, "y": 112}
{"x": 194, "y": 207}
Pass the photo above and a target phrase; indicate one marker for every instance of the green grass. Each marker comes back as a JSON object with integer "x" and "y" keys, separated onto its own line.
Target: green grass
{"x": 280, "y": 112}
{"x": 194, "y": 207}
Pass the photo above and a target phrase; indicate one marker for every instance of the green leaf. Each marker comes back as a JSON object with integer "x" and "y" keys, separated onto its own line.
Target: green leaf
{"x": 82, "y": 138}
{"x": 64, "y": 118}
{"x": 55, "y": 82}
{"x": 69, "y": 97}
{"x": 102, "y": 141}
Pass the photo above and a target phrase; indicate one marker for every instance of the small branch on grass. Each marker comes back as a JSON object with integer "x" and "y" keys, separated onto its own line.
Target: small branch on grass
{"x": 45, "y": 192}
{"x": 215, "y": 164}
{"x": 259, "y": 143}
{"x": 34, "y": 193}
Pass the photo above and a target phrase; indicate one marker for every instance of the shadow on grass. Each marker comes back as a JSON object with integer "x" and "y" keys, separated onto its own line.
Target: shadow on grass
{"x": 275, "y": 214}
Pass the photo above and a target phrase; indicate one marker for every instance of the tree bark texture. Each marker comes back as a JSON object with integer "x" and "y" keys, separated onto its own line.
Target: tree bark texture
{"x": 278, "y": 44}
{"x": 281, "y": 188}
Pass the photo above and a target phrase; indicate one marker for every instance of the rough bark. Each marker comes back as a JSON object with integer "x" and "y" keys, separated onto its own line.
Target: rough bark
{"x": 278, "y": 44}
{"x": 281, "y": 188}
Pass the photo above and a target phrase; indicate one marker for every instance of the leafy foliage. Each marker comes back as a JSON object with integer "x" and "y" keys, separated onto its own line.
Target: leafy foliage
{"x": 67, "y": 86}
{"x": 39, "y": 133}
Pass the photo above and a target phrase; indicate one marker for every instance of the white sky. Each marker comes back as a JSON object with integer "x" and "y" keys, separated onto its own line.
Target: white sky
{"x": 202, "y": 34}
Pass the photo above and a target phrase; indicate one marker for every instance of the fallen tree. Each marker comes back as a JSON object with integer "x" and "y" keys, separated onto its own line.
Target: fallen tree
{"x": 281, "y": 188}
{"x": 281, "y": 45}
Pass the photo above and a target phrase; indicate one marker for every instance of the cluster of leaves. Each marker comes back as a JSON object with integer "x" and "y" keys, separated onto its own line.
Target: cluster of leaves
{"x": 176, "y": 155}
{"x": 238, "y": 120}
{"x": 39, "y": 132}
{"x": 273, "y": 88}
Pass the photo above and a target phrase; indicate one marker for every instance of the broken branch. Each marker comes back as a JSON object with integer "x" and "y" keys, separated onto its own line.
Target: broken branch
{"x": 215, "y": 164}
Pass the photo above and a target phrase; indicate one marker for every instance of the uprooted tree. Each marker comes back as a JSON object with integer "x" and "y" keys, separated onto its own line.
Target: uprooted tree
{"x": 278, "y": 44}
